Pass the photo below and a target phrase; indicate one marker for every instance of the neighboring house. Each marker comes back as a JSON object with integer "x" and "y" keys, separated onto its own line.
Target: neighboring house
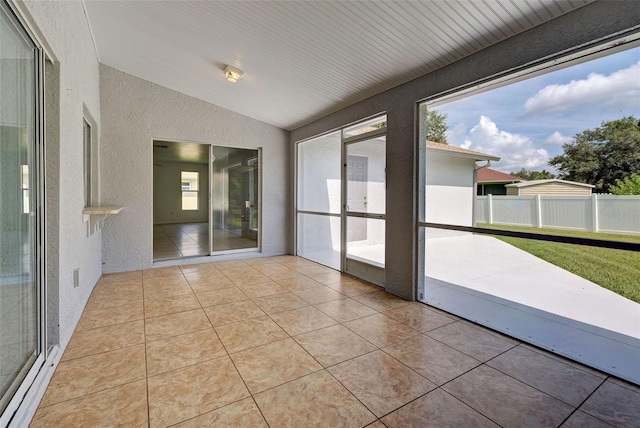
{"x": 450, "y": 183}
{"x": 552, "y": 186}
{"x": 492, "y": 182}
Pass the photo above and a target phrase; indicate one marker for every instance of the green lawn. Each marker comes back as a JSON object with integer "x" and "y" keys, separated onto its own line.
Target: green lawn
{"x": 616, "y": 270}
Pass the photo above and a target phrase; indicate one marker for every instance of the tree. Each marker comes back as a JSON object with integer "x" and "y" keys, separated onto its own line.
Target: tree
{"x": 603, "y": 155}
{"x": 533, "y": 175}
{"x": 630, "y": 185}
{"x": 436, "y": 126}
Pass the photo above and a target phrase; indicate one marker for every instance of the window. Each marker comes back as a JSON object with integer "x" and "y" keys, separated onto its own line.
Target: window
{"x": 189, "y": 184}
{"x": 86, "y": 164}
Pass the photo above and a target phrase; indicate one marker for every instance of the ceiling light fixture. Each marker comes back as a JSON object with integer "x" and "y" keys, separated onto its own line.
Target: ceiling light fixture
{"x": 232, "y": 74}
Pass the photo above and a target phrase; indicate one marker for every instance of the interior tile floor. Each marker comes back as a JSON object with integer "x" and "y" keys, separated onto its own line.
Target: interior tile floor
{"x": 284, "y": 342}
{"x": 174, "y": 241}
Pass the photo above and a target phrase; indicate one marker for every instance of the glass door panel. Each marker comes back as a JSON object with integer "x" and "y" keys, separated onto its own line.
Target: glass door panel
{"x": 19, "y": 309}
{"x": 235, "y": 198}
{"x": 365, "y": 200}
{"x": 319, "y": 187}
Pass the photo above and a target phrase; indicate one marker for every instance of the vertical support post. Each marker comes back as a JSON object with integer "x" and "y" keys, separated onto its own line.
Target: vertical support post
{"x": 490, "y": 206}
{"x": 538, "y": 211}
{"x": 594, "y": 212}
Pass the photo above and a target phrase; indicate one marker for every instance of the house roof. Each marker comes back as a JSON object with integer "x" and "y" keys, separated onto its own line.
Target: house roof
{"x": 550, "y": 180}
{"x": 460, "y": 152}
{"x": 488, "y": 175}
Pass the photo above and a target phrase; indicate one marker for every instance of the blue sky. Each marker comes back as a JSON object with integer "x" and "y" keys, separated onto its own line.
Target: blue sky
{"x": 526, "y": 123}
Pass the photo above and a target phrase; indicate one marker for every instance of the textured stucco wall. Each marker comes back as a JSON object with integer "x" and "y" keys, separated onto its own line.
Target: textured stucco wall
{"x": 66, "y": 32}
{"x": 134, "y": 113}
{"x": 581, "y": 27}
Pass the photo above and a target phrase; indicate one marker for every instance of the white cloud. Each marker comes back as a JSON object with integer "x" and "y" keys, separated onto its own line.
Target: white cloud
{"x": 622, "y": 87}
{"x": 515, "y": 151}
{"x": 557, "y": 139}
{"x": 457, "y": 134}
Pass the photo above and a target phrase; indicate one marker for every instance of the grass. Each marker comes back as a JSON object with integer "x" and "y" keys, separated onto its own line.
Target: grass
{"x": 615, "y": 270}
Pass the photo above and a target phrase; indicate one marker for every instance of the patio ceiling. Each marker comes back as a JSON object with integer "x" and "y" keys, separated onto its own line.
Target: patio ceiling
{"x": 302, "y": 60}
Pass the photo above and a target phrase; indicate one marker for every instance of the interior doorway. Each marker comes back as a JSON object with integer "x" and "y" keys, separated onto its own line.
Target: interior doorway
{"x": 206, "y": 200}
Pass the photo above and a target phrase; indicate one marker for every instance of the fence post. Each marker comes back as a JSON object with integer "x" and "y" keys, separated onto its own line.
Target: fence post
{"x": 490, "y": 204}
{"x": 538, "y": 211}
{"x": 594, "y": 212}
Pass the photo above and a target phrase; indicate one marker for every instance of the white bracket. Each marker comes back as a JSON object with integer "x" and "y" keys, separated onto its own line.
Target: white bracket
{"x": 95, "y": 216}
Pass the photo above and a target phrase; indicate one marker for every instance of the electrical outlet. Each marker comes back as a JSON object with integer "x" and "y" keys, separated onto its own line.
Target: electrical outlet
{"x": 76, "y": 278}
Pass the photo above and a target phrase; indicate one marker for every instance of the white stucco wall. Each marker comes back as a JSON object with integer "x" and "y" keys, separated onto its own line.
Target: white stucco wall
{"x": 134, "y": 113}
{"x": 66, "y": 32}
{"x": 449, "y": 189}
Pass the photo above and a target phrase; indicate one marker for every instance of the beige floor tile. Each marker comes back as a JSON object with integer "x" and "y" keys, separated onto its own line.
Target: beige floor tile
{"x": 260, "y": 289}
{"x": 279, "y": 302}
{"x": 437, "y": 409}
{"x": 432, "y": 359}
{"x": 123, "y": 406}
{"x": 192, "y": 391}
{"x": 376, "y": 424}
{"x": 273, "y": 364}
{"x": 220, "y": 297}
{"x": 557, "y": 379}
{"x": 169, "y": 305}
{"x": 168, "y": 271}
{"x": 350, "y": 287}
{"x": 110, "y": 316}
{"x": 277, "y": 272}
{"x": 476, "y": 342}
{"x": 302, "y": 320}
{"x": 327, "y": 278}
{"x": 381, "y": 330}
{"x": 322, "y": 294}
{"x": 380, "y": 300}
{"x": 206, "y": 285}
{"x": 243, "y": 413}
{"x": 298, "y": 283}
{"x": 419, "y": 317}
{"x": 103, "y": 339}
{"x": 112, "y": 296}
{"x": 314, "y": 269}
{"x": 250, "y": 333}
{"x": 333, "y": 345}
{"x": 176, "y": 324}
{"x": 198, "y": 268}
{"x": 484, "y": 387}
{"x": 162, "y": 290}
{"x": 345, "y": 310}
{"x": 132, "y": 276}
{"x": 87, "y": 375}
{"x": 180, "y": 351}
{"x": 614, "y": 404}
{"x": 313, "y": 401}
{"x": 381, "y": 382}
{"x": 204, "y": 275}
{"x": 233, "y": 312}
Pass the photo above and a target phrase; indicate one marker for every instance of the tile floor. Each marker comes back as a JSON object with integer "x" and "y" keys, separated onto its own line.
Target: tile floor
{"x": 284, "y": 342}
{"x": 174, "y": 241}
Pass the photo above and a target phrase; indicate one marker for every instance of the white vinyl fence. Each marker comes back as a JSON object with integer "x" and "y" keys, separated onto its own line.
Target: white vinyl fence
{"x": 595, "y": 213}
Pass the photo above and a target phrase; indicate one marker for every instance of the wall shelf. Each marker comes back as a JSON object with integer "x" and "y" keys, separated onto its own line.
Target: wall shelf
{"x": 95, "y": 216}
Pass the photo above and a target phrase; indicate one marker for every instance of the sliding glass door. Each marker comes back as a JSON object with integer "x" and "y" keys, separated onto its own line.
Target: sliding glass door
{"x": 21, "y": 335}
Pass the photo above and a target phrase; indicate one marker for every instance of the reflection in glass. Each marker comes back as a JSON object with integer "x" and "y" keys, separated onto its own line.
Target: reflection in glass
{"x": 319, "y": 239}
{"x": 18, "y": 280}
{"x": 235, "y": 198}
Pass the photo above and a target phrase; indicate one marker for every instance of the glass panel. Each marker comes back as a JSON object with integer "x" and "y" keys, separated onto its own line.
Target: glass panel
{"x": 364, "y": 127}
{"x": 18, "y": 281}
{"x": 189, "y": 183}
{"x": 368, "y": 245}
{"x": 87, "y": 162}
{"x": 235, "y": 198}
{"x": 319, "y": 239}
{"x": 366, "y": 188}
{"x": 319, "y": 174}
